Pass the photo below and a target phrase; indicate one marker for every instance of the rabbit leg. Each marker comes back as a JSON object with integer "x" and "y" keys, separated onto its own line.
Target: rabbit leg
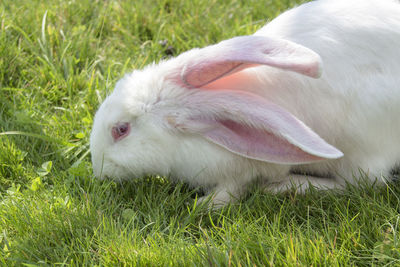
{"x": 221, "y": 196}
{"x": 302, "y": 182}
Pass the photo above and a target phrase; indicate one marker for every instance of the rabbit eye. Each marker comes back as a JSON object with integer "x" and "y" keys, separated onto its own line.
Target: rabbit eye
{"x": 120, "y": 130}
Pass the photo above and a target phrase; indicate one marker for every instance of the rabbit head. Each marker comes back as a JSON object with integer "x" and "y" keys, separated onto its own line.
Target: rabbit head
{"x": 166, "y": 119}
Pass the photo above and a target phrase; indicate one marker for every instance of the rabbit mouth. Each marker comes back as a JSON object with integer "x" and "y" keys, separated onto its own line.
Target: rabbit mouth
{"x": 121, "y": 172}
{"x": 110, "y": 170}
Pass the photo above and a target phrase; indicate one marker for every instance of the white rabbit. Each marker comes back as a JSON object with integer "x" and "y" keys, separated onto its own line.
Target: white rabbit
{"x": 260, "y": 105}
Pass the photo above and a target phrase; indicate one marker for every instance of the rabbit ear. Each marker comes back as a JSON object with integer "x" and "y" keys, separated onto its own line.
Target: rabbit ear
{"x": 203, "y": 66}
{"x": 250, "y": 126}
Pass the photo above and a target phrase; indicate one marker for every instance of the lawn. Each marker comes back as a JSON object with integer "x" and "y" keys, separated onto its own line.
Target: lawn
{"x": 58, "y": 61}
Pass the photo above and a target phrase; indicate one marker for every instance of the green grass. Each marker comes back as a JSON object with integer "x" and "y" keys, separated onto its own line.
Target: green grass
{"x": 58, "y": 60}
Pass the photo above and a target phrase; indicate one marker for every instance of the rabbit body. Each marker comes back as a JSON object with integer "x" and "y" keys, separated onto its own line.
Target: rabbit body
{"x": 213, "y": 117}
{"x": 354, "y": 105}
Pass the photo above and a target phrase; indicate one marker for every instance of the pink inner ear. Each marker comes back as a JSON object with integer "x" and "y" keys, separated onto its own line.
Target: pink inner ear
{"x": 203, "y": 66}
{"x": 253, "y": 127}
{"x": 257, "y": 144}
{"x": 206, "y": 74}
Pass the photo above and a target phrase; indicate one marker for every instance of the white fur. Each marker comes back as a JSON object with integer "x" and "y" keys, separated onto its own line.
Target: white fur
{"x": 354, "y": 106}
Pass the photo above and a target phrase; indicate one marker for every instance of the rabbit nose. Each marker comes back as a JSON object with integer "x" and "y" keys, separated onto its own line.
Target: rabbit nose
{"x": 120, "y": 131}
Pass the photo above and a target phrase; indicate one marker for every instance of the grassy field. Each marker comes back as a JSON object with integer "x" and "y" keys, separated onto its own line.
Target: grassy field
{"x": 58, "y": 60}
